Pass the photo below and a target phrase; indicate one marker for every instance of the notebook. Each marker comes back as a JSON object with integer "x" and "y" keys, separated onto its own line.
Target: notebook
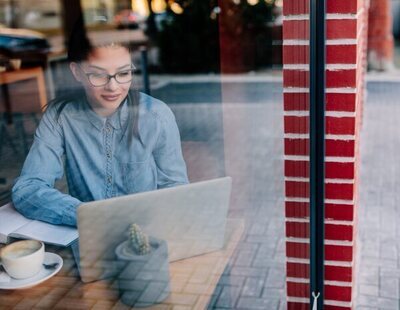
{"x": 14, "y": 225}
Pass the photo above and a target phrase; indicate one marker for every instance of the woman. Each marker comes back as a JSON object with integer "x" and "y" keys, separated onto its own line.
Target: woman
{"x": 114, "y": 141}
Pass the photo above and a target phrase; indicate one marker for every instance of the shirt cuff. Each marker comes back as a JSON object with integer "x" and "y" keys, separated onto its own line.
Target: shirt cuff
{"x": 69, "y": 214}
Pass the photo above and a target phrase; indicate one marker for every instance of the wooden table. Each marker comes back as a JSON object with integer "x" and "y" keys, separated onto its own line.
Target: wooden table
{"x": 193, "y": 282}
{"x": 9, "y": 77}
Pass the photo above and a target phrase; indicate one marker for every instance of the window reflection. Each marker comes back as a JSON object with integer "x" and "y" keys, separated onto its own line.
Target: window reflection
{"x": 217, "y": 66}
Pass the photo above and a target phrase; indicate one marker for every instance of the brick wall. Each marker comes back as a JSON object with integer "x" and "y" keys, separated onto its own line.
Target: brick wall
{"x": 380, "y": 37}
{"x": 346, "y": 62}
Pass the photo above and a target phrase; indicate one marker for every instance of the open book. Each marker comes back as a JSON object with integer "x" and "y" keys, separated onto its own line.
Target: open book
{"x": 15, "y": 225}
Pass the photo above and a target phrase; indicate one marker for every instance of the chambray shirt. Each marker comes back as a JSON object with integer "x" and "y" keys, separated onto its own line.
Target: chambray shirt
{"x": 99, "y": 162}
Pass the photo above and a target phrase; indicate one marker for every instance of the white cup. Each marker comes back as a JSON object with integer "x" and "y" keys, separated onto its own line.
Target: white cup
{"x": 23, "y": 259}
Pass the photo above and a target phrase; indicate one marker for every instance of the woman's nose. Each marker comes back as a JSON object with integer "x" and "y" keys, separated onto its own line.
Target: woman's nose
{"x": 112, "y": 84}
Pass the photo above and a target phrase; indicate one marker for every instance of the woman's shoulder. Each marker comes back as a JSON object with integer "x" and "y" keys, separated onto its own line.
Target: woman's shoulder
{"x": 155, "y": 107}
{"x": 61, "y": 106}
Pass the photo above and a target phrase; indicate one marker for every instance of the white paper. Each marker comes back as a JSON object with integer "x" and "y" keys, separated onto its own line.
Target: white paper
{"x": 48, "y": 233}
{"x": 13, "y": 224}
{"x": 4, "y": 277}
{"x": 10, "y": 220}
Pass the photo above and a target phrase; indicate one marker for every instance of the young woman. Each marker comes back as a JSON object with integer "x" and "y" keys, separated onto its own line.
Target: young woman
{"x": 111, "y": 140}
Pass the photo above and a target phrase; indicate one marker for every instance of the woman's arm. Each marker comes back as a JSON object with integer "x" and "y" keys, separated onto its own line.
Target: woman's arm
{"x": 171, "y": 167}
{"x": 33, "y": 193}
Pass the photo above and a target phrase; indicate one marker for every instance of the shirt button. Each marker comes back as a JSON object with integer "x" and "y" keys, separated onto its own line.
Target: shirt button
{"x": 108, "y": 155}
{"x": 109, "y": 179}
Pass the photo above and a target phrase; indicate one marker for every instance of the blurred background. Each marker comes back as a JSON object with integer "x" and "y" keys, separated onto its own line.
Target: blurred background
{"x": 176, "y": 31}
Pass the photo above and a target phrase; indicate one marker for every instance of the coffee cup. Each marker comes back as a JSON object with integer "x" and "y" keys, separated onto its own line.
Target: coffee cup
{"x": 22, "y": 259}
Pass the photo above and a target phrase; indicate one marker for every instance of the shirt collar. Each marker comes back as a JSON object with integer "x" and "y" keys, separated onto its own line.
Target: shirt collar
{"x": 116, "y": 120}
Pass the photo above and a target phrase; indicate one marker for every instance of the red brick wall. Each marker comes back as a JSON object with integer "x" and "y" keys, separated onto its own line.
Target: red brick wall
{"x": 346, "y": 63}
{"x": 380, "y": 37}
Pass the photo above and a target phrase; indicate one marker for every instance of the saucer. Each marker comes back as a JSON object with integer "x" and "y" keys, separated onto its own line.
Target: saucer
{"x": 42, "y": 275}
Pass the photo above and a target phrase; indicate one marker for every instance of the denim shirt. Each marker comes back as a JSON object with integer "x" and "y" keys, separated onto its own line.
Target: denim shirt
{"x": 98, "y": 160}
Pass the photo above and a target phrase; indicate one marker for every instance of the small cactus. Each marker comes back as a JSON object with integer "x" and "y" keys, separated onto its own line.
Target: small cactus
{"x": 139, "y": 241}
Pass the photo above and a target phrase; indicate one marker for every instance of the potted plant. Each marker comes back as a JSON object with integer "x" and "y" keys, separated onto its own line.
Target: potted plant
{"x": 144, "y": 277}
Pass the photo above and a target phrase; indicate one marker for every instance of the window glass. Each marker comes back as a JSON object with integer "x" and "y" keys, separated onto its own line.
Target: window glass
{"x": 227, "y": 96}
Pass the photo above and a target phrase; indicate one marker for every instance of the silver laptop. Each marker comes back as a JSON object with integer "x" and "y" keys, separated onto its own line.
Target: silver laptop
{"x": 191, "y": 218}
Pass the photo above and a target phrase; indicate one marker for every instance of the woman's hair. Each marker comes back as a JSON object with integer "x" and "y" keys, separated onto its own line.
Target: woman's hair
{"x": 79, "y": 49}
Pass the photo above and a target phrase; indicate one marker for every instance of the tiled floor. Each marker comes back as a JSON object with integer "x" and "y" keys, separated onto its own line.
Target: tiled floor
{"x": 378, "y": 275}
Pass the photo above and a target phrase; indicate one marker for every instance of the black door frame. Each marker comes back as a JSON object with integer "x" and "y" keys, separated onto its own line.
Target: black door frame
{"x": 317, "y": 149}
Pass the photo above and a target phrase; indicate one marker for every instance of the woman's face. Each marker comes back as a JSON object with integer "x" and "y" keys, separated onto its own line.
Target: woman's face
{"x": 110, "y": 60}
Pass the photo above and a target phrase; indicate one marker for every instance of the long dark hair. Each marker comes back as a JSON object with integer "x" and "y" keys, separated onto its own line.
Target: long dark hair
{"x": 79, "y": 49}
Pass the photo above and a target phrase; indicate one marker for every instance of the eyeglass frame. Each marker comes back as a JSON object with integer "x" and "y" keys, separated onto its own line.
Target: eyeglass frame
{"x": 109, "y": 76}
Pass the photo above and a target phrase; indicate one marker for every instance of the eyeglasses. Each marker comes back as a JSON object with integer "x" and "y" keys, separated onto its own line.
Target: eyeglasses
{"x": 102, "y": 79}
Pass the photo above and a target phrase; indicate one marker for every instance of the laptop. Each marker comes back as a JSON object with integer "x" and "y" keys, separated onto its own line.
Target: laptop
{"x": 191, "y": 218}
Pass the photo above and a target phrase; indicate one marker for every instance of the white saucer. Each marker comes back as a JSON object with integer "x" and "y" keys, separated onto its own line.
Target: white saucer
{"x": 43, "y": 275}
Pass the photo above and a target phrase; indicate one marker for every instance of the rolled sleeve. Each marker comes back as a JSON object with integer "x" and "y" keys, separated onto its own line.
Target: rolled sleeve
{"x": 33, "y": 192}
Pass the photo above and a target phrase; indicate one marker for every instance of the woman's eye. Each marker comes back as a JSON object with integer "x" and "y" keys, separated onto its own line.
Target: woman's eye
{"x": 124, "y": 73}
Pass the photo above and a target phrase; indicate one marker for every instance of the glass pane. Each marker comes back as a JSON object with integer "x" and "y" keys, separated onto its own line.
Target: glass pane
{"x": 234, "y": 74}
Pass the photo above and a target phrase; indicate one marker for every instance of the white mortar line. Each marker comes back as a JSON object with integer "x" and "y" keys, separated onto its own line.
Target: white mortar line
{"x": 297, "y": 260}
{"x": 296, "y": 158}
{"x": 295, "y": 42}
{"x": 342, "y": 42}
{"x": 340, "y": 201}
{"x": 297, "y": 240}
{"x": 327, "y": 221}
{"x": 303, "y": 67}
{"x": 327, "y": 180}
{"x": 296, "y": 17}
{"x": 331, "y": 201}
{"x": 297, "y": 280}
{"x": 340, "y": 137}
{"x": 336, "y": 222}
{"x": 298, "y": 113}
{"x": 330, "y": 16}
{"x": 326, "y": 241}
{"x": 339, "y": 181}
{"x": 339, "y": 159}
{"x": 297, "y": 220}
{"x": 340, "y": 114}
{"x": 329, "y": 67}
{"x": 296, "y": 136}
{"x": 340, "y": 90}
{"x": 338, "y": 263}
{"x": 328, "y": 137}
{"x": 326, "y": 282}
{"x": 295, "y": 90}
{"x": 326, "y": 262}
{"x": 338, "y": 67}
{"x": 338, "y": 283}
{"x": 298, "y": 299}
{"x": 297, "y": 199}
{"x": 296, "y": 179}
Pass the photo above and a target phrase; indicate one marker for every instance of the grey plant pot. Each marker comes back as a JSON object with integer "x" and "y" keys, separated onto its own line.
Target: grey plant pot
{"x": 144, "y": 279}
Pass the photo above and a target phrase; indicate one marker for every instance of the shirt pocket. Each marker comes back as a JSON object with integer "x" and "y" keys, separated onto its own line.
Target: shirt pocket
{"x": 138, "y": 176}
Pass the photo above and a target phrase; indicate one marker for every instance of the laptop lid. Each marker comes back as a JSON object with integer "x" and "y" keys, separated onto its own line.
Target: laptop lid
{"x": 191, "y": 218}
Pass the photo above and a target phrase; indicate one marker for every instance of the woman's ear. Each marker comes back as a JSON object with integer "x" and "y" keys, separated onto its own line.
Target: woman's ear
{"x": 73, "y": 66}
